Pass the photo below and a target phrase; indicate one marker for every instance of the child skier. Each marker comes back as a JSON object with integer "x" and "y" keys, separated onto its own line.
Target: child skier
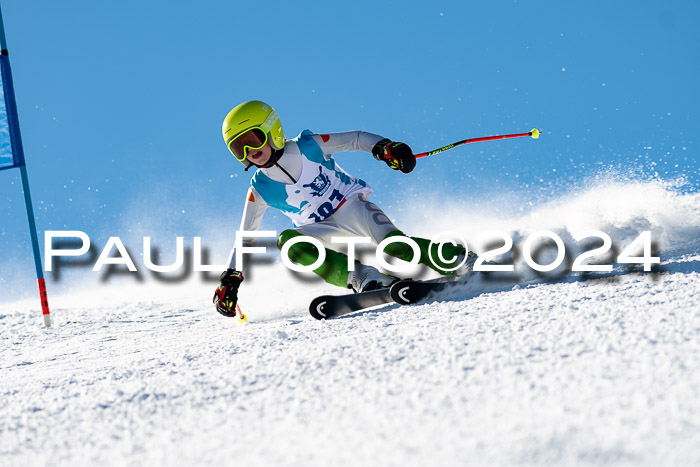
{"x": 301, "y": 178}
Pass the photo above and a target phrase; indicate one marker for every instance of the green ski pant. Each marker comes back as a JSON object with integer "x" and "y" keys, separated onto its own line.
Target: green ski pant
{"x": 334, "y": 269}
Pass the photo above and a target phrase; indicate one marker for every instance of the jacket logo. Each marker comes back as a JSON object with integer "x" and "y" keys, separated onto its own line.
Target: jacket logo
{"x": 320, "y": 185}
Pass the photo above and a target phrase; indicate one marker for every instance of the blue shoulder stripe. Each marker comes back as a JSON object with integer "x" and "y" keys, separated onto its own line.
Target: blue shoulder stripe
{"x": 309, "y": 147}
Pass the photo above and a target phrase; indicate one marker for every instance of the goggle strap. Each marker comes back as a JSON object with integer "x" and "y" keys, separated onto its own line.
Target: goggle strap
{"x": 269, "y": 121}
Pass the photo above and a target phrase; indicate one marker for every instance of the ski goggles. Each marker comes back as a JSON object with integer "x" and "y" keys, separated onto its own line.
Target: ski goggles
{"x": 251, "y": 139}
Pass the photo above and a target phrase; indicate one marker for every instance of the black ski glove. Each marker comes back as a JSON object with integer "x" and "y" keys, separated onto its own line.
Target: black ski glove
{"x": 398, "y": 156}
{"x": 226, "y": 294}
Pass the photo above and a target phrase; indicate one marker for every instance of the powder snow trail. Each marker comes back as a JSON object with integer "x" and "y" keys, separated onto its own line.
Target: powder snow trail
{"x": 578, "y": 371}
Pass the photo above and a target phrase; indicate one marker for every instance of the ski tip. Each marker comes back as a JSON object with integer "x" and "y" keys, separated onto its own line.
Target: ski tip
{"x": 399, "y": 291}
{"x": 535, "y": 133}
{"x": 317, "y": 308}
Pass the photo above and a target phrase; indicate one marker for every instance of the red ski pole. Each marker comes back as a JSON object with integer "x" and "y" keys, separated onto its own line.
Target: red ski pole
{"x": 534, "y": 133}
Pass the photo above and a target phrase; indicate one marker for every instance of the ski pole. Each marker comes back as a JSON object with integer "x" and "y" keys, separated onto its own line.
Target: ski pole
{"x": 534, "y": 133}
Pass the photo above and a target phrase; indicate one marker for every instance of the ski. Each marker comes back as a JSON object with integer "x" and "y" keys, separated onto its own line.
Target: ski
{"x": 333, "y": 306}
{"x": 405, "y": 292}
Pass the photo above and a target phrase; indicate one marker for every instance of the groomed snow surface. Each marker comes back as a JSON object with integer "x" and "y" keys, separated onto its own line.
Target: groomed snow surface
{"x": 584, "y": 370}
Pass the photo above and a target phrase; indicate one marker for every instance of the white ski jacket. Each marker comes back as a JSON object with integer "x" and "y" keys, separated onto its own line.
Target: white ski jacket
{"x": 306, "y": 184}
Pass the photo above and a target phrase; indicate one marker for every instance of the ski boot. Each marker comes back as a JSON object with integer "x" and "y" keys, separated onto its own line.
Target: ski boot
{"x": 365, "y": 278}
{"x": 466, "y": 269}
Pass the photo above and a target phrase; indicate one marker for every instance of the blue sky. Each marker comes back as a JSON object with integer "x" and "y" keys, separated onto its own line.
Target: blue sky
{"x": 121, "y": 102}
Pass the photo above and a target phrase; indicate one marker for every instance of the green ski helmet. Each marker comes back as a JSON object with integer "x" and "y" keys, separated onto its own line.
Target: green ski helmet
{"x": 249, "y": 126}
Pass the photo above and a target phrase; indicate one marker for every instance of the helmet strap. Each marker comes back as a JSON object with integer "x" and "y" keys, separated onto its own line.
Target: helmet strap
{"x": 274, "y": 157}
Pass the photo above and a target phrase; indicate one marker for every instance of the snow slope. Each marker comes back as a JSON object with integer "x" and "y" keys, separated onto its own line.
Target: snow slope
{"x": 583, "y": 370}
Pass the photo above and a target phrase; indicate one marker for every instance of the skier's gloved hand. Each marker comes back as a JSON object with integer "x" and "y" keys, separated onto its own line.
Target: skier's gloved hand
{"x": 226, "y": 294}
{"x": 398, "y": 156}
